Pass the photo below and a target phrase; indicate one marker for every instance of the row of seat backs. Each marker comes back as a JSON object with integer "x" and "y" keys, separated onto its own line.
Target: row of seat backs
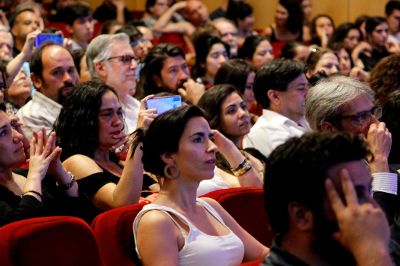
{"x": 109, "y": 241}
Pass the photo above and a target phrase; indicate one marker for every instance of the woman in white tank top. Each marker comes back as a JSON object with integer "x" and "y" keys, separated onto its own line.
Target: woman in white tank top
{"x": 177, "y": 228}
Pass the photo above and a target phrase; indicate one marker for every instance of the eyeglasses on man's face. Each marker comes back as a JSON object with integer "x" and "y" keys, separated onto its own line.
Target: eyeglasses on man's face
{"x": 363, "y": 117}
{"x": 125, "y": 59}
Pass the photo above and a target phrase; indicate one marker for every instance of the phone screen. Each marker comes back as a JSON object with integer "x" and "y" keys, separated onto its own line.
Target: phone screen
{"x": 163, "y": 104}
{"x": 48, "y": 38}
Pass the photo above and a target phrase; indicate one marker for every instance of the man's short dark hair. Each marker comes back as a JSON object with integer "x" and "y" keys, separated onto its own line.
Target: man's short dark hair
{"x": 153, "y": 64}
{"x": 390, "y": 6}
{"x": 297, "y": 171}
{"x": 76, "y": 11}
{"x": 275, "y": 75}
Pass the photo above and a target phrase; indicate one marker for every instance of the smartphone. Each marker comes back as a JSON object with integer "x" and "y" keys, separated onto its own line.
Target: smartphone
{"x": 48, "y": 38}
{"x": 163, "y": 104}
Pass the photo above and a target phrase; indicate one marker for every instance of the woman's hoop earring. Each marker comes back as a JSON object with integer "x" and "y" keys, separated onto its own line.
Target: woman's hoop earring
{"x": 171, "y": 171}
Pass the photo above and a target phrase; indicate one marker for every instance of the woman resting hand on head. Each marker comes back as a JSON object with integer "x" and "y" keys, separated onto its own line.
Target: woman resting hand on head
{"x": 178, "y": 227}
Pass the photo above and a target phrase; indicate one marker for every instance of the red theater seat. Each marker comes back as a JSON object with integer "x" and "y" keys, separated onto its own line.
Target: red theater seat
{"x": 246, "y": 205}
{"x": 45, "y": 241}
{"x": 114, "y": 233}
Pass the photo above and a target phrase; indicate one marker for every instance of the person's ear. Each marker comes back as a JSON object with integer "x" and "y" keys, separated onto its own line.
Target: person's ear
{"x": 100, "y": 69}
{"x": 70, "y": 29}
{"x": 273, "y": 97}
{"x": 168, "y": 157}
{"x": 300, "y": 216}
{"x": 328, "y": 127}
{"x": 157, "y": 81}
{"x": 36, "y": 81}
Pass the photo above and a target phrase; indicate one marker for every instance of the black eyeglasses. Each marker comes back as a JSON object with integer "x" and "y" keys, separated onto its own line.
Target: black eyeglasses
{"x": 125, "y": 59}
{"x": 363, "y": 117}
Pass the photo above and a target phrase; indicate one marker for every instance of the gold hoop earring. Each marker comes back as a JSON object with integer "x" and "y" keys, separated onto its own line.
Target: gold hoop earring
{"x": 171, "y": 171}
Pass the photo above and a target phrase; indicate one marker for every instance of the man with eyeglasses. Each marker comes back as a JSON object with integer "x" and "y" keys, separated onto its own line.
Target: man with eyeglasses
{"x": 342, "y": 104}
{"x": 110, "y": 58}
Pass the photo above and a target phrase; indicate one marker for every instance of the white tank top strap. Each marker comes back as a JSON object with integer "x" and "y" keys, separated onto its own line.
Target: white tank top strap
{"x": 211, "y": 210}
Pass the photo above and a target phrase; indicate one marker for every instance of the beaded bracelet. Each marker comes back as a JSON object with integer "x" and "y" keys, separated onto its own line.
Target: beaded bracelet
{"x": 243, "y": 168}
{"x": 33, "y": 192}
{"x": 69, "y": 184}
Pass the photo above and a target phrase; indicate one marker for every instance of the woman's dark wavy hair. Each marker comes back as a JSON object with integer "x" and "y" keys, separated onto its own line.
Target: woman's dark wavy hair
{"x": 249, "y": 46}
{"x": 313, "y": 28}
{"x": 211, "y": 103}
{"x": 77, "y": 126}
{"x": 202, "y": 46}
{"x": 235, "y": 72}
{"x": 385, "y": 77}
{"x": 163, "y": 136}
{"x": 342, "y": 30}
{"x": 295, "y": 20}
{"x": 391, "y": 117}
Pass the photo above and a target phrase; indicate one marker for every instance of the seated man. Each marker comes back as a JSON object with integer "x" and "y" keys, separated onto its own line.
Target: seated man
{"x": 110, "y": 58}
{"x": 165, "y": 70}
{"x": 280, "y": 87}
{"x": 79, "y": 18}
{"x": 54, "y": 75}
{"x": 342, "y": 104}
{"x": 321, "y": 206}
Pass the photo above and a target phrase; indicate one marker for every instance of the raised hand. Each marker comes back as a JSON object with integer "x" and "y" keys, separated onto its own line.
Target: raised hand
{"x": 363, "y": 228}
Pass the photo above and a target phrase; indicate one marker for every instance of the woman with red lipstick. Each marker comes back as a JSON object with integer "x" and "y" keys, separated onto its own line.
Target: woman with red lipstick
{"x": 28, "y": 193}
{"x": 194, "y": 231}
{"x": 89, "y": 127}
{"x": 227, "y": 112}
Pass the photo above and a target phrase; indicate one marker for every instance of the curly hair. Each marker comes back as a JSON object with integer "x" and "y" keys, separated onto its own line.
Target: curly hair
{"x": 77, "y": 126}
{"x": 385, "y": 77}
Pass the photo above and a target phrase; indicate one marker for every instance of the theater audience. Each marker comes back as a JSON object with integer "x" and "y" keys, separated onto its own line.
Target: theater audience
{"x": 228, "y": 33}
{"x": 195, "y": 230}
{"x": 348, "y": 34}
{"x": 90, "y": 130}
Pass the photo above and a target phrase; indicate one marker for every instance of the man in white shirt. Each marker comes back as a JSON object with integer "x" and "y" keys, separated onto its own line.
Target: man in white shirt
{"x": 54, "y": 75}
{"x": 110, "y": 58}
{"x": 280, "y": 87}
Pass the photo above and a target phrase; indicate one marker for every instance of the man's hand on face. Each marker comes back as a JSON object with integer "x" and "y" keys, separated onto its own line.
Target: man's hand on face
{"x": 380, "y": 141}
{"x": 363, "y": 228}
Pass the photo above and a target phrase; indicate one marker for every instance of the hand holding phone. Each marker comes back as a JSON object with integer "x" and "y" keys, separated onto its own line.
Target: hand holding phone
{"x": 163, "y": 104}
{"x": 48, "y": 38}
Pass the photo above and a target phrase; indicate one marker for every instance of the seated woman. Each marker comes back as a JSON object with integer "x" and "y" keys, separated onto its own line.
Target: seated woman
{"x": 194, "y": 231}
{"x": 256, "y": 50}
{"x": 91, "y": 133}
{"x": 227, "y": 112}
{"x": 321, "y": 61}
{"x": 26, "y": 193}
{"x": 321, "y": 30}
{"x": 211, "y": 53}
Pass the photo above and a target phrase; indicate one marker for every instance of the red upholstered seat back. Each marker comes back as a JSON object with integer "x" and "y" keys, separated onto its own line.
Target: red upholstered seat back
{"x": 57, "y": 240}
{"x": 114, "y": 233}
{"x": 246, "y": 205}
